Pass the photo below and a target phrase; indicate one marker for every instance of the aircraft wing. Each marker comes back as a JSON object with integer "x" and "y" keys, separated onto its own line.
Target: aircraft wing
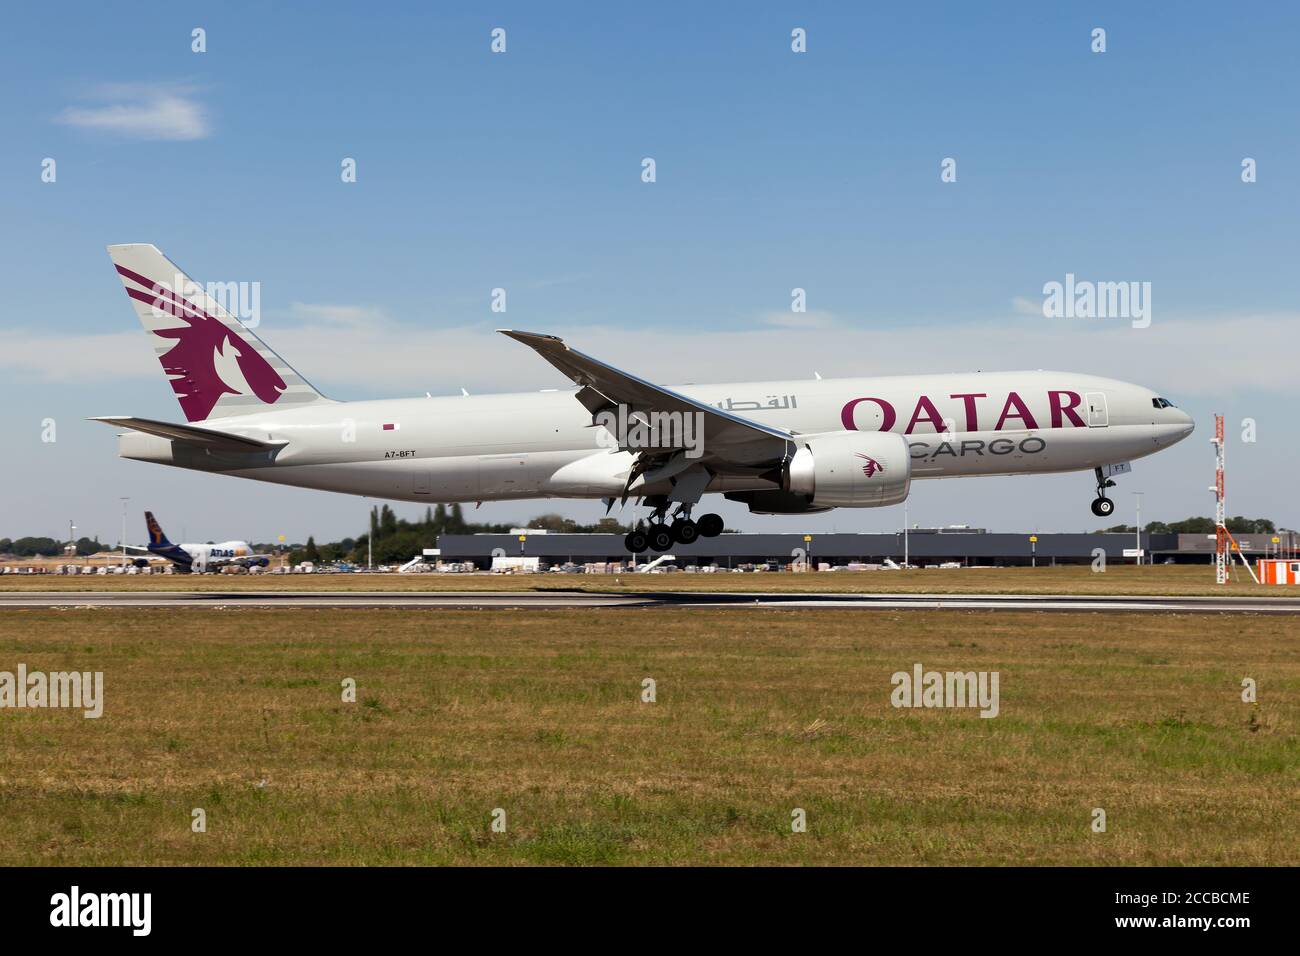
{"x": 191, "y": 434}
{"x": 728, "y": 439}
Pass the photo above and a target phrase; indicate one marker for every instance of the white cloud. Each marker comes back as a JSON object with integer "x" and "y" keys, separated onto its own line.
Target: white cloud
{"x": 349, "y": 315}
{"x": 142, "y": 111}
{"x": 800, "y": 320}
{"x": 76, "y": 359}
{"x": 1023, "y": 306}
{"x": 357, "y": 348}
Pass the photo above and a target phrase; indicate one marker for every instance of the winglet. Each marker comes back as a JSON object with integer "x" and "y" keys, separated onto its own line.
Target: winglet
{"x": 534, "y": 339}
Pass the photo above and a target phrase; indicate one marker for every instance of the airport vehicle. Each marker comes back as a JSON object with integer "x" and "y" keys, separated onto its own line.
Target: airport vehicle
{"x": 197, "y": 558}
{"x": 785, "y": 447}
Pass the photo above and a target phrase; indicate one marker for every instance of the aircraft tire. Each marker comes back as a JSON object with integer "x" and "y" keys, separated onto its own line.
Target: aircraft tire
{"x": 710, "y": 525}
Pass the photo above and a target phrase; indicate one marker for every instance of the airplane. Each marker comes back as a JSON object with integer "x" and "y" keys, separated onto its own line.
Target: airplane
{"x": 196, "y": 558}
{"x": 782, "y": 447}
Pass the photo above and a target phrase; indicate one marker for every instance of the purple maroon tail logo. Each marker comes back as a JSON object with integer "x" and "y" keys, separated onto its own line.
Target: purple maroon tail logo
{"x": 191, "y": 363}
{"x": 872, "y": 466}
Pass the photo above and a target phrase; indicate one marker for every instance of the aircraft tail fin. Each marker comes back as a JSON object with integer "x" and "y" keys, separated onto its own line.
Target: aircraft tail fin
{"x": 215, "y": 363}
{"x": 157, "y": 538}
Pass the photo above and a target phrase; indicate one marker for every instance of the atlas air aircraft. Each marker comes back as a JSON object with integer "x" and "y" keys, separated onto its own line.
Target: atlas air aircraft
{"x": 783, "y": 447}
{"x": 185, "y": 558}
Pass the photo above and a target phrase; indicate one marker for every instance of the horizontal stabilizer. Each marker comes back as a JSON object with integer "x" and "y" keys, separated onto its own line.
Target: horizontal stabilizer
{"x": 191, "y": 434}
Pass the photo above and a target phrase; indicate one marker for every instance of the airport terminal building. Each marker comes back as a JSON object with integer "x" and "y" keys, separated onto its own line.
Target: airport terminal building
{"x": 926, "y": 547}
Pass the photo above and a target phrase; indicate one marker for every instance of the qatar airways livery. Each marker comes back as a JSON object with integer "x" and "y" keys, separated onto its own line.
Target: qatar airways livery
{"x": 785, "y": 447}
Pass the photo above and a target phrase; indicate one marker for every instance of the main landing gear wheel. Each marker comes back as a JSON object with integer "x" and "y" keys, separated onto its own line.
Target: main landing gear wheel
{"x": 685, "y": 531}
{"x": 1103, "y": 507}
{"x": 661, "y": 537}
{"x": 710, "y": 525}
{"x": 636, "y": 541}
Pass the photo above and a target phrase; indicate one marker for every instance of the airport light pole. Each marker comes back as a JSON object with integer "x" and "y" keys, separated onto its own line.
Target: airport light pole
{"x": 124, "y": 501}
{"x": 1138, "y": 496}
{"x": 906, "y": 554}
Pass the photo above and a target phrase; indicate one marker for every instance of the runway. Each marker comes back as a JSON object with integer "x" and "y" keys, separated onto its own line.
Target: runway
{"x": 547, "y": 600}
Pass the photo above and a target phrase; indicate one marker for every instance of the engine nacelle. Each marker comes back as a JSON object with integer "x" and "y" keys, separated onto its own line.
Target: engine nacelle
{"x": 850, "y": 469}
{"x": 774, "y": 502}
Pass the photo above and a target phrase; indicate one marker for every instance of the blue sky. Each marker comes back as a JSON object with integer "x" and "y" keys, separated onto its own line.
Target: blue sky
{"x": 775, "y": 170}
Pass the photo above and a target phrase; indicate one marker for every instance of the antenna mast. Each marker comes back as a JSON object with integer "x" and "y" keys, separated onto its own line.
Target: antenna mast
{"x": 1220, "y": 514}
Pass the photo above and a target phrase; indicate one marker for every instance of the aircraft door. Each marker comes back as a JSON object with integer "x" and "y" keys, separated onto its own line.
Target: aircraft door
{"x": 1098, "y": 417}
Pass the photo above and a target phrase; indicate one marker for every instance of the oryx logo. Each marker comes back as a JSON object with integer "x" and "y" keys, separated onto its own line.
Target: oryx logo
{"x": 872, "y": 466}
{"x": 191, "y": 364}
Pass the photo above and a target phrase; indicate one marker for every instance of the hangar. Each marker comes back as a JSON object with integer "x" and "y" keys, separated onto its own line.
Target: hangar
{"x": 966, "y": 546}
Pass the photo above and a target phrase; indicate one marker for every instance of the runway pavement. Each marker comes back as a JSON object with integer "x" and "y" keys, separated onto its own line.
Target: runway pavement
{"x": 582, "y": 599}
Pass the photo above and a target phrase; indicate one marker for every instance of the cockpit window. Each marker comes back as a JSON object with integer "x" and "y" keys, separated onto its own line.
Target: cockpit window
{"x": 1162, "y": 403}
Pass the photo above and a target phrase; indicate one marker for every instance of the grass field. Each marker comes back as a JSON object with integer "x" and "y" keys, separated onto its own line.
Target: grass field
{"x": 539, "y": 713}
{"x": 1117, "y": 579}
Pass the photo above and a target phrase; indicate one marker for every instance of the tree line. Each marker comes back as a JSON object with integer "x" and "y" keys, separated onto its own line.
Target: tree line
{"x": 46, "y": 547}
{"x": 1237, "y": 525}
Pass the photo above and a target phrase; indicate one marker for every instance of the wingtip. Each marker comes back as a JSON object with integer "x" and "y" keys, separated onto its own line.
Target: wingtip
{"x": 531, "y": 337}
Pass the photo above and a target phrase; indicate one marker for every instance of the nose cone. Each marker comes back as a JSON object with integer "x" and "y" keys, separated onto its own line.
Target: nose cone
{"x": 1174, "y": 430}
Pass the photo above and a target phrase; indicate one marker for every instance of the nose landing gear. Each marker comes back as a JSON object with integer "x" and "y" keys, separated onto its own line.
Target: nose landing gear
{"x": 1102, "y": 506}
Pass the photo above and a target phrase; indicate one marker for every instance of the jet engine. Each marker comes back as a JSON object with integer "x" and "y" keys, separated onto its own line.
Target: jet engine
{"x": 849, "y": 469}
{"x": 774, "y": 502}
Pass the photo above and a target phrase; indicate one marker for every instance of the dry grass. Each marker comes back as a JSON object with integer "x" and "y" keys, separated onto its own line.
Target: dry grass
{"x": 1118, "y": 579}
{"x": 758, "y": 713}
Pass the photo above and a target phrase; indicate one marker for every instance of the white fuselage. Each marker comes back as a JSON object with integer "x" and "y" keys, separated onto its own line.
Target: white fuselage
{"x": 543, "y": 444}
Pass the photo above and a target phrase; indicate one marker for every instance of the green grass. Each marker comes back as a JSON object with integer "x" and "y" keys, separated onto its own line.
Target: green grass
{"x": 1117, "y": 579}
{"x": 757, "y": 713}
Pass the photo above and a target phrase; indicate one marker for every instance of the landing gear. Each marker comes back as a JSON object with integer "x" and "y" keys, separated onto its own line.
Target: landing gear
{"x": 710, "y": 525}
{"x": 1102, "y": 506}
{"x": 685, "y": 531}
{"x": 661, "y": 536}
{"x": 636, "y": 541}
